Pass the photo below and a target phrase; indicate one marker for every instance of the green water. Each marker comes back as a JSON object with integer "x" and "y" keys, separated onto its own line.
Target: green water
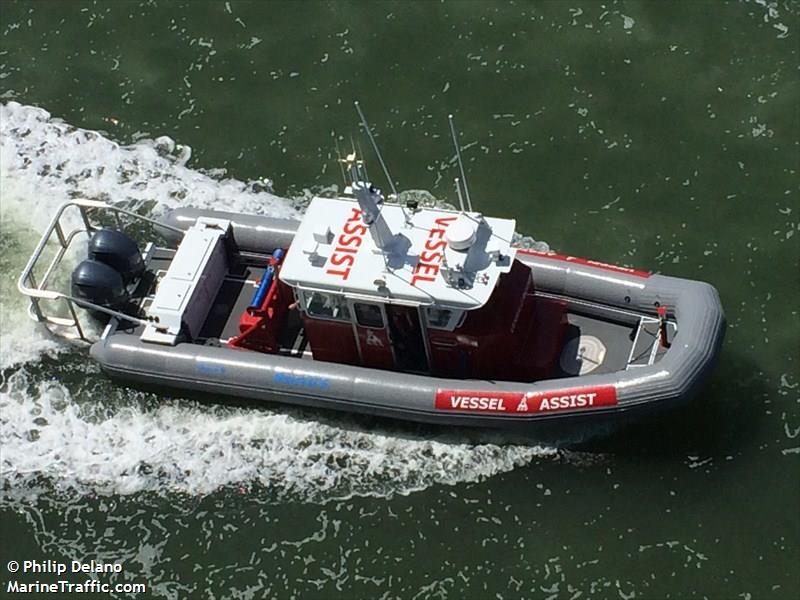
{"x": 658, "y": 135}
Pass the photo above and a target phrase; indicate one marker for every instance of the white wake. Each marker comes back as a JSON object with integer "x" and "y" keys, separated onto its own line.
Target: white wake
{"x": 68, "y": 428}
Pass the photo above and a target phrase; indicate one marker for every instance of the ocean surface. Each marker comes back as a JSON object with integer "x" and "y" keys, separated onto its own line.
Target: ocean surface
{"x": 662, "y": 136}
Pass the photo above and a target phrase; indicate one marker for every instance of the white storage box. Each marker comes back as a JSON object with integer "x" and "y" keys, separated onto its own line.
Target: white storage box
{"x": 185, "y": 294}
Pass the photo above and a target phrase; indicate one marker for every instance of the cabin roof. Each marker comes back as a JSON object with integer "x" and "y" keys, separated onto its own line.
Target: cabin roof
{"x": 335, "y": 251}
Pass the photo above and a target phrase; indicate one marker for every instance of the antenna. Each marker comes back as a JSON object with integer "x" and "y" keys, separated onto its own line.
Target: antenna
{"x": 375, "y": 147}
{"x": 364, "y": 166}
{"x": 460, "y": 164}
{"x": 460, "y": 197}
{"x": 359, "y": 171}
{"x": 339, "y": 158}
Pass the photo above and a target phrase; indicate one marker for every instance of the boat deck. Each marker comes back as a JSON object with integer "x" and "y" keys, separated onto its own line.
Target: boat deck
{"x": 233, "y": 298}
{"x": 598, "y": 339}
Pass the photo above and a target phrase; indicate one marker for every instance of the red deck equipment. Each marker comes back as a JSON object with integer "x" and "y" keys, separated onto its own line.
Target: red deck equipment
{"x": 260, "y": 324}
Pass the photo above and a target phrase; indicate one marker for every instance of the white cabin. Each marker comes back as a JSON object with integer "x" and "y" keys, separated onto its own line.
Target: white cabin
{"x": 429, "y": 257}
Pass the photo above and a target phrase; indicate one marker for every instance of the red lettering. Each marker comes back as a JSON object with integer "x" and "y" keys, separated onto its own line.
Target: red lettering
{"x": 521, "y": 403}
{"x": 431, "y": 257}
{"x": 341, "y": 259}
{"x": 350, "y": 240}
{"x": 417, "y": 278}
{"x": 428, "y": 266}
{"x": 430, "y": 244}
{"x": 344, "y": 273}
{"x": 356, "y": 228}
{"x": 430, "y": 269}
{"x": 348, "y": 243}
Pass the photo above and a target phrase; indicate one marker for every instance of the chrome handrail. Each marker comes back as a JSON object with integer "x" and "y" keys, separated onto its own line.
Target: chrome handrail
{"x": 70, "y": 327}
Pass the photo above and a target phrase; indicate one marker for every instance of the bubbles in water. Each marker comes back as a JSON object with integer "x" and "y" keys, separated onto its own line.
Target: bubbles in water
{"x": 46, "y": 162}
{"x": 183, "y": 446}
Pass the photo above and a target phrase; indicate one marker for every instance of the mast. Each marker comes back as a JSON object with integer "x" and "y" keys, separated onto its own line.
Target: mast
{"x": 375, "y": 147}
{"x": 460, "y": 165}
{"x": 458, "y": 193}
{"x": 370, "y": 201}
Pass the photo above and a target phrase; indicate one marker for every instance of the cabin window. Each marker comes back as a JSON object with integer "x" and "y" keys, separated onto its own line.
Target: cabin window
{"x": 368, "y": 315}
{"x": 444, "y": 318}
{"x": 326, "y": 306}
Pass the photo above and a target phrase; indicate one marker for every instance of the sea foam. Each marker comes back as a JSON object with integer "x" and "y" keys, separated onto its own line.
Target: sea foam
{"x": 85, "y": 434}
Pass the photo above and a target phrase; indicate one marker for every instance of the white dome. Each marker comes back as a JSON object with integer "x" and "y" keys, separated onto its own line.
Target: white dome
{"x": 461, "y": 234}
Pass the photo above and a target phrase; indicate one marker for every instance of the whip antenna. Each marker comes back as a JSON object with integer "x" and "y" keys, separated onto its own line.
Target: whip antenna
{"x": 339, "y": 159}
{"x": 460, "y": 164}
{"x": 460, "y": 197}
{"x": 375, "y": 147}
{"x": 361, "y": 153}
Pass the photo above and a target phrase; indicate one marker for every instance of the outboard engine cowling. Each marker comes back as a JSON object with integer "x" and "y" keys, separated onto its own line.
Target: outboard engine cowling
{"x": 118, "y": 251}
{"x": 98, "y": 283}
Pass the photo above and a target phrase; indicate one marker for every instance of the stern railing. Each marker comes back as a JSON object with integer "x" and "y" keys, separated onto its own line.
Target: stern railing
{"x": 70, "y": 327}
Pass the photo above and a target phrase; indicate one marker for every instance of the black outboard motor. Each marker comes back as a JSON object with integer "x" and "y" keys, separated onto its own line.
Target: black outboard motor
{"x": 98, "y": 283}
{"x": 118, "y": 251}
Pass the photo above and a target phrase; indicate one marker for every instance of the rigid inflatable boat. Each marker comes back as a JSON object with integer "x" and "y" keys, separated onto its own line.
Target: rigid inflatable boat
{"x": 374, "y": 307}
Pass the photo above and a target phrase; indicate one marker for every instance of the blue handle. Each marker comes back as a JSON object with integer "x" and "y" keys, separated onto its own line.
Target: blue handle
{"x": 266, "y": 280}
{"x": 263, "y": 287}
